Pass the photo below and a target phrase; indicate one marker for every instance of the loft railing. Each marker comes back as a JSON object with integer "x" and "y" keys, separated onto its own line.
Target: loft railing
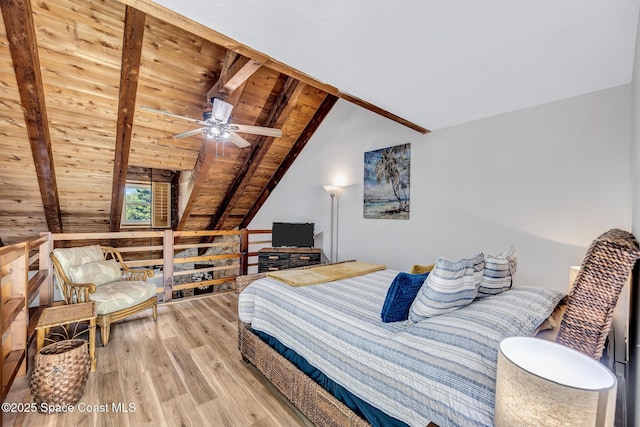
{"x": 181, "y": 261}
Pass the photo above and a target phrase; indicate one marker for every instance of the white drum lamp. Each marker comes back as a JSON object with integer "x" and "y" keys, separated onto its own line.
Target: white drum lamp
{"x": 543, "y": 383}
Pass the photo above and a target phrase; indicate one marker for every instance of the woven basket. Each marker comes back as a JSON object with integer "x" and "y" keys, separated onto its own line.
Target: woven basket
{"x": 60, "y": 373}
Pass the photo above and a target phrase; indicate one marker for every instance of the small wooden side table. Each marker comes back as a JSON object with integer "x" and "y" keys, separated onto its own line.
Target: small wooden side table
{"x": 64, "y": 315}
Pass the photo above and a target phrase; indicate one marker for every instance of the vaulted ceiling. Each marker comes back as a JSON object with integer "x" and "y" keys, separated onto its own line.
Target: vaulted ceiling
{"x": 75, "y": 74}
{"x": 73, "y": 79}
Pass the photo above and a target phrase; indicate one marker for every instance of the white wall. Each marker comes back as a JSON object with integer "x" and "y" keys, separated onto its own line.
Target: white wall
{"x": 548, "y": 179}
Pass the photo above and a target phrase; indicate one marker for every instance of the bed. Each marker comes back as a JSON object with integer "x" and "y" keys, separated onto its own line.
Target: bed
{"x": 435, "y": 372}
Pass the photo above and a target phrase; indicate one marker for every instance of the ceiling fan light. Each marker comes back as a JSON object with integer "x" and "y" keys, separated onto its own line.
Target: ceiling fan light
{"x": 221, "y": 110}
{"x": 225, "y": 135}
{"x": 210, "y": 133}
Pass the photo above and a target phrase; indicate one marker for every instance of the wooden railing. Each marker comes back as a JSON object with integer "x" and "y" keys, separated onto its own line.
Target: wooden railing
{"x": 180, "y": 259}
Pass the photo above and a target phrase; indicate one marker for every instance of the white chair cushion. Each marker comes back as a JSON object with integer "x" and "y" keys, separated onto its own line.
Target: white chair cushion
{"x": 119, "y": 295}
{"x": 77, "y": 256}
{"x": 96, "y": 272}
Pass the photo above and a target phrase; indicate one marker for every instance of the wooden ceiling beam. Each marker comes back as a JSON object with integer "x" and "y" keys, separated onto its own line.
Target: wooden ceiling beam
{"x": 174, "y": 18}
{"x": 18, "y": 20}
{"x": 235, "y": 72}
{"x": 284, "y": 103}
{"x": 320, "y": 114}
{"x": 192, "y": 182}
{"x": 129, "y": 72}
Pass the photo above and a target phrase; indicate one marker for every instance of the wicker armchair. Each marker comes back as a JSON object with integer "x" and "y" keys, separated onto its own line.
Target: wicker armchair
{"x": 604, "y": 271}
{"x": 98, "y": 274}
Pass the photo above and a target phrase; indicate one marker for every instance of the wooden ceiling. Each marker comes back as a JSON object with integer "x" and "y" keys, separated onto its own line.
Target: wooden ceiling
{"x": 74, "y": 75}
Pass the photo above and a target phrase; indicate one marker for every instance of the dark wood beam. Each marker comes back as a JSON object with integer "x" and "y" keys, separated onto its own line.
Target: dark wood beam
{"x": 129, "y": 72}
{"x": 384, "y": 113}
{"x": 284, "y": 103}
{"x": 18, "y": 20}
{"x": 319, "y": 116}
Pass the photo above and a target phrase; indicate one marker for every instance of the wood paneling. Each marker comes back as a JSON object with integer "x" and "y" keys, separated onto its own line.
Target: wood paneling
{"x": 80, "y": 45}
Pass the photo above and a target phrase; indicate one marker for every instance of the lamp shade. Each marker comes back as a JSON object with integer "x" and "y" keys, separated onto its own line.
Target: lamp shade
{"x": 333, "y": 190}
{"x": 543, "y": 383}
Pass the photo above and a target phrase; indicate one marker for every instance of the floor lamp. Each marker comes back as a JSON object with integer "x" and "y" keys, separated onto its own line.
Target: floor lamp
{"x": 334, "y": 192}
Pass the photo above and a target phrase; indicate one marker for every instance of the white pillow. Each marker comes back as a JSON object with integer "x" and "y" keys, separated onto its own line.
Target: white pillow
{"x": 498, "y": 272}
{"x": 77, "y": 256}
{"x": 450, "y": 286}
{"x": 96, "y": 272}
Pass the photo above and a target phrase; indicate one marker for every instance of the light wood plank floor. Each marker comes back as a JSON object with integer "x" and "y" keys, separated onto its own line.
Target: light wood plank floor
{"x": 184, "y": 370}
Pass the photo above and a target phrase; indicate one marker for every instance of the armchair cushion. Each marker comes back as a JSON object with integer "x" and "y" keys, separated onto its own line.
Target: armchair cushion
{"x": 120, "y": 295}
{"x": 96, "y": 272}
{"x": 68, "y": 257}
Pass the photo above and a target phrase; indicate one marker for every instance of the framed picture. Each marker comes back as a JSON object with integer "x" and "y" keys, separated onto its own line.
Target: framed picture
{"x": 386, "y": 182}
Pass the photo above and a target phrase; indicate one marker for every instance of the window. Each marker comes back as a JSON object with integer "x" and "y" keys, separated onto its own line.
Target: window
{"x": 147, "y": 204}
{"x": 137, "y": 204}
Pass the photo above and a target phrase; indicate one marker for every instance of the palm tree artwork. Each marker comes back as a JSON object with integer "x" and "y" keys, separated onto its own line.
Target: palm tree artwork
{"x": 386, "y": 182}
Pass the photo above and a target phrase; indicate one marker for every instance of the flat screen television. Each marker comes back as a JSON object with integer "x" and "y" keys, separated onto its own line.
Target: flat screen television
{"x": 292, "y": 234}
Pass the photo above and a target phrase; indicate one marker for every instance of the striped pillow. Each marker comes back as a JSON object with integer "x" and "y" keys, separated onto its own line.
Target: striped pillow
{"x": 450, "y": 286}
{"x": 498, "y": 272}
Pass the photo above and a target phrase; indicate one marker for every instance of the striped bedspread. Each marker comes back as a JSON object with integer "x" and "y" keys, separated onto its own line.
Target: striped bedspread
{"x": 441, "y": 369}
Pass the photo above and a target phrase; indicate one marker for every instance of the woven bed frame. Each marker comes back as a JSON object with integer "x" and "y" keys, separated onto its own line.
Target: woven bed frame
{"x": 587, "y": 321}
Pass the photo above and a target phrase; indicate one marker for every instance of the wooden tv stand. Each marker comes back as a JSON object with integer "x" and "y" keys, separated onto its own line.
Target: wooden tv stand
{"x": 273, "y": 259}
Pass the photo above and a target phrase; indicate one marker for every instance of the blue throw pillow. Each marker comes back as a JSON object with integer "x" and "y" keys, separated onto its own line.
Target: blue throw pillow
{"x": 400, "y": 295}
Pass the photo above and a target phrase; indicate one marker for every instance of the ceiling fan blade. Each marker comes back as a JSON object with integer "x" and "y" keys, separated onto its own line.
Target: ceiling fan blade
{"x": 177, "y": 116}
{"x": 188, "y": 133}
{"x": 239, "y": 141}
{"x": 257, "y": 130}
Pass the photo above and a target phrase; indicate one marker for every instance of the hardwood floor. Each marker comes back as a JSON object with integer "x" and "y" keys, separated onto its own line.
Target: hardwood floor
{"x": 184, "y": 370}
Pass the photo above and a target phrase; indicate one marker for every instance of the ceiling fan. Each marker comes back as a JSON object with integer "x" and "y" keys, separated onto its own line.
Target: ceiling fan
{"x": 216, "y": 126}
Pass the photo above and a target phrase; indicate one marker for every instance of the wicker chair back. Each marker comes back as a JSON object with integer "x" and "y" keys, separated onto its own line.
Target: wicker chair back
{"x": 604, "y": 271}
